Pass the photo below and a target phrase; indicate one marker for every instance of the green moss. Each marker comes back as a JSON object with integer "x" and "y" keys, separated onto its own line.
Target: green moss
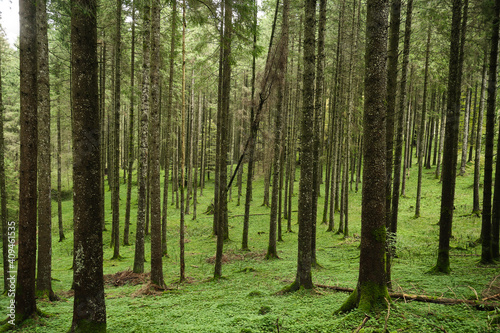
{"x": 85, "y": 326}
{"x": 380, "y": 234}
{"x": 350, "y": 304}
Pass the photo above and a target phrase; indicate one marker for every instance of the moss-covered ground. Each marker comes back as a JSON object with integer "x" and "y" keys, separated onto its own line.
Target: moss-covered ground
{"x": 246, "y": 299}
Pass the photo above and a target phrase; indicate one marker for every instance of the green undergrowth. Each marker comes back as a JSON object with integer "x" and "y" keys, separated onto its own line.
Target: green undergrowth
{"x": 247, "y": 299}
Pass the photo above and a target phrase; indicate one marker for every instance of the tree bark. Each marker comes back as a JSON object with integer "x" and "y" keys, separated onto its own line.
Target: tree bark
{"x": 450, "y": 144}
{"x": 465, "y": 132}
{"x": 44, "y": 265}
{"x": 25, "y": 289}
{"x": 303, "y": 278}
{"x": 89, "y": 311}
{"x": 371, "y": 290}
{"x": 3, "y": 192}
{"x": 486, "y": 226}
{"x": 131, "y": 132}
{"x": 154, "y": 130}
{"x": 115, "y": 194}
{"x": 143, "y": 143}
{"x": 479, "y": 134}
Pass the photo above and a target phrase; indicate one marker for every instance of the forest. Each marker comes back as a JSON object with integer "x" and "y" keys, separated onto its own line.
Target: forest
{"x": 250, "y": 166}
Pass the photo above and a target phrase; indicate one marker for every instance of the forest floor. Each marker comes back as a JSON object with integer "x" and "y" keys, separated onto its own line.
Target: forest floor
{"x": 247, "y": 300}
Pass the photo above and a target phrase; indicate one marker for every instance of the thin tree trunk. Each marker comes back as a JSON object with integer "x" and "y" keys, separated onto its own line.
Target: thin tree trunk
{"x": 421, "y": 145}
{"x": 115, "y": 194}
{"x": 465, "y": 132}
{"x": 479, "y": 134}
{"x": 131, "y": 132}
{"x": 142, "y": 170}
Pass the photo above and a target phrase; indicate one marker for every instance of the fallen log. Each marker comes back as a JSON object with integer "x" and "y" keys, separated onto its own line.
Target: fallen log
{"x": 478, "y": 304}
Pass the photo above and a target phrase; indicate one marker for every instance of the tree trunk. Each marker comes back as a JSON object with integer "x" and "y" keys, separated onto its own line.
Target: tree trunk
{"x": 154, "y": 151}
{"x": 115, "y": 194}
{"x": 371, "y": 289}
{"x": 479, "y": 134}
{"x": 441, "y": 136}
{"x": 131, "y": 132}
{"x": 303, "y": 278}
{"x": 223, "y": 141}
{"x": 143, "y": 143}
{"x": 421, "y": 137}
{"x": 450, "y": 144}
{"x": 25, "y": 289}
{"x": 89, "y": 311}
{"x": 182, "y": 264}
{"x": 44, "y": 266}
{"x": 486, "y": 226}
{"x": 253, "y": 135}
{"x": 465, "y": 132}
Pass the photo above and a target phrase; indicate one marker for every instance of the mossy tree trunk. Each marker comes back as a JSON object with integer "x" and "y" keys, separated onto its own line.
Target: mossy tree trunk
{"x": 89, "y": 310}
{"x": 25, "y": 289}
{"x": 371, "y": 290}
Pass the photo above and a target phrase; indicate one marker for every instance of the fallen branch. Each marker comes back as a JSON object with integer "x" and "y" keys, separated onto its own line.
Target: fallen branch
{"x": 479, "y": 305}
{"x": 367, "y": 317}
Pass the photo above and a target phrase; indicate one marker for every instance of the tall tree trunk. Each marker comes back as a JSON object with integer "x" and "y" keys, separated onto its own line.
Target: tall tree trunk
{"x": 441, "y": 137}
{"x": 25, "y": 289}
{"x": 115, "y": 194}
{"x": 182, "y": 264}
{"x": 371, "y": 289}
{"x": 89, "y": 311}
{"x": 131, "y": 132}
{"x": 479, "y": 133}
{"x": 102, "y": 121}
{"x": 486, "y": 226}
{"x": 143, "y": 143}
{"x": 392, "y": 82}
{"x": 221, "y": 208}
{"x": 253, "y": 135}
{"x": 421, "y": 136}
{"x": 196, "y": 131}
{"x": 154, "y": 151}
{"x": 282, "y": 51}
{"x": 473, "y": 127}
{"x": 169, "y": 125}
{"x": 303, "y": 278}
{"x": 450, "y": 143}
{"x": 44, "y": 266}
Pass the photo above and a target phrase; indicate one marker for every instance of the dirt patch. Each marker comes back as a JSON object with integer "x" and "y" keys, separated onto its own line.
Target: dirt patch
{"x": 126, "y": 277}
{"x": 149, "y": 289}
{"x": 492, "y": 292}
{"x": 233, "y": 255}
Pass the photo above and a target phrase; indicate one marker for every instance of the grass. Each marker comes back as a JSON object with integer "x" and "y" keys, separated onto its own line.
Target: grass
{"x": 246, "y": 300}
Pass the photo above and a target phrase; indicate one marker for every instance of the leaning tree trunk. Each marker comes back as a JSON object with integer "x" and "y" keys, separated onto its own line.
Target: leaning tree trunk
{"x": 25, "y": 289}
{"x": 89, "y": 310}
